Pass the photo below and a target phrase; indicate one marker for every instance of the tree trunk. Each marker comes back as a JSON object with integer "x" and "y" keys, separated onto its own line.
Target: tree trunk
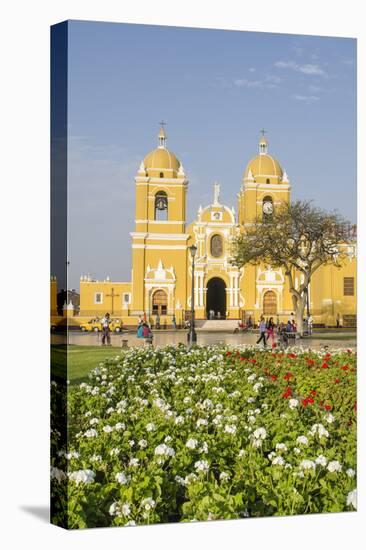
{"x": 300, "y": 306}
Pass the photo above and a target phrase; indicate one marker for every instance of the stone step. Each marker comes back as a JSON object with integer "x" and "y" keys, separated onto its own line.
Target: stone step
{"x": 216, "y": 325}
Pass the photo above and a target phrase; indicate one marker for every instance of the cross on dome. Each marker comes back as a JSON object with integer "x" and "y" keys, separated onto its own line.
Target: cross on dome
{"x": 162, "y": 136}
{"x": 216, "y": 193}
{"x": 263, "y": 143}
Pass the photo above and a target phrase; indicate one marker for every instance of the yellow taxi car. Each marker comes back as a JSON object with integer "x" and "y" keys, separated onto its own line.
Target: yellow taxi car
{"x": 95, "y": 325}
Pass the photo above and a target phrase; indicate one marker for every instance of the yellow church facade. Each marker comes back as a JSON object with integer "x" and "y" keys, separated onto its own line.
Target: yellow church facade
{"x": 162, "y": 266}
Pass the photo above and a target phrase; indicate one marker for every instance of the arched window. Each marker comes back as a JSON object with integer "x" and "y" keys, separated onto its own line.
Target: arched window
{"x": 161, "y": 174}
{"x": 216, "y": 246}
{"x": 267, "y": 206}
{"x": 161, "y": 206}
{"x": 270, "y": 303}
{"x": 268, "y": 180}
{"x": 159, "y": 303}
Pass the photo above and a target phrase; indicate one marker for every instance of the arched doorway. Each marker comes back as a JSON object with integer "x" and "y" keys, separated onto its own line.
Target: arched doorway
{"x": 159, "y": 303}
{"x": 216, "y": 298}
{"x": 270, "y": 303}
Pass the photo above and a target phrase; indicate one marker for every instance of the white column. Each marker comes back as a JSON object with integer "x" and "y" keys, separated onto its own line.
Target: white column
{"x": 231, "y": 290}
{"x": 201, "y": 289}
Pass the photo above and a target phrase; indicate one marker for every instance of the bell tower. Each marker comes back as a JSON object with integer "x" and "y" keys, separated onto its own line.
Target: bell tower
{"x": 159, "y": 242}
{"x": 265, "y": 185}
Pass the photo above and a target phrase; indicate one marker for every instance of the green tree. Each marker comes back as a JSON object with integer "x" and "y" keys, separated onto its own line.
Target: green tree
{"x": 297, "y": 237}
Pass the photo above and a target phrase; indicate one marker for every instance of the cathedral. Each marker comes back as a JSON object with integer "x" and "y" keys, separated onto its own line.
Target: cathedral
{"x": 162, "y": 264}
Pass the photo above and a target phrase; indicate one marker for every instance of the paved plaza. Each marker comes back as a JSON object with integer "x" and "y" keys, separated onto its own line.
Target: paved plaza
{"x": 163, "y": 338}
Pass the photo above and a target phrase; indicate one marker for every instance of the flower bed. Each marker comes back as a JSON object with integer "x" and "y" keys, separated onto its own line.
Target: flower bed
{"x": 165, "y": 435}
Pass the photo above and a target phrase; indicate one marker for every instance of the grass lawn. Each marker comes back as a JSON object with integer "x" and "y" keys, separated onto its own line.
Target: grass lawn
{"x": 332, "y": 336}
{"x": 81, "y": 360}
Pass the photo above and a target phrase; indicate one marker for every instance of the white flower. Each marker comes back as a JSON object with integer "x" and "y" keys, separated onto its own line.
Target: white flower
{"x": 250, "y": 399}
{"x": 192, "y": 443}
{"x": 150, "y": 427}
{"x": 96, "y": 458}
{"x": 204, "y": 448}
{"x": 57, "y": 474}
{"x": 307, "y": 465}
{"x": 252, "y": 377}
{"x": 257, "y": 386}
{"x": 297, "y": 450}
{"x": 350, "y": 472}
{"x": 293, "y": 403}
{"x": 281, "y": 447}
{"x": 164, "y": 450}
{"x": 321, "y": 460}
{"x": 119, "y": 426}
{"x": 260, "y": 433}
{"x": 91, "y": 433}
{"x": 224, "y": 476}
{"x": 242, "y": 452}
{"x": 115, "y": 451}
{"x": 110, "y": 410}
{"x": 187, "y": 400}
{"x": 190, "y": 478}
{"x": 201, "y": 422}
{"x": 251, "y": 419}
{"x": 82, "y": 476}
{"x": 335, "y": 466}
{"x": 148, "y": 503}
{"x": 131, "y": 442}
{"x": 134, "y": 462}
{"x": 230, "y": 428}
{"x": 202, "y": 466}
{"x": 329, "y": 418}
{"x": 121, "y": 478}
{"x": 320, "y": 430}
{"x": 167, "y": 439}
{"x": 302, "y": 440}
{"x": 130, "y": 523}
{"x": 107, "y": 429}
{"x": 179, "y": 420}
{"x": 94, "y": 421}
{"x": 72, "y": 454}
{"x": 279, "y": 461}
{"x": 126, "y": 509}
{"x": 142, "y": 443}
{"x": 114, "y": 509}
{"x": 352, "y": 499}
{"x": 180, "y": 480}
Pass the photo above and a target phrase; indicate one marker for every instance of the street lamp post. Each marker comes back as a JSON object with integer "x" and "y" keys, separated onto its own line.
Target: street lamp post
{"x": 192, "y": 335}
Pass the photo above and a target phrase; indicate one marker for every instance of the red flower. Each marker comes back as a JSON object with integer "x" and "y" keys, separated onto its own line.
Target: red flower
{"x": 274, "y": 345}
{"x": 328, "y": 407}
{"x": 243, "y": 358}
{"x": 310, "y": 362}
{"x": 228, "y": 353}
{"x": 355, "y": 407}
{"x": 287, "y": 393}
{"x": 336, "y": 381}
{"x": 273, "y": 377}
{"x": 307, "y": 401}
{"x": 325, "y": 366}
{"x": 345, "y": 367}
{"x": 313, "y": 392}
{"x": 292, "y": 355}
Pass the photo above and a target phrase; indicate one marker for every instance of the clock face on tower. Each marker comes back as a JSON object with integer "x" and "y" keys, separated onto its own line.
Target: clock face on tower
{"x": 267, "y": 208}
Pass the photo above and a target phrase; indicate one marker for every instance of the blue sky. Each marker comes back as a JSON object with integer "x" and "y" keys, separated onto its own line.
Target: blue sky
{"x": 216, "y": 90}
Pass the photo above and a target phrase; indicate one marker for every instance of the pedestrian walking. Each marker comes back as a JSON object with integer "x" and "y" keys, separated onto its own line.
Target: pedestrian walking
{"x": 106, "y": 321}
{"x": 157, "y": 321}
{"x": 174, "y": 322}
{"x": 262, "y": 332}
{"x": 270, "y": 330}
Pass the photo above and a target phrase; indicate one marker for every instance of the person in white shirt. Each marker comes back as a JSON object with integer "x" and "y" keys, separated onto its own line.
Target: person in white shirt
{"x": 106, "y": 321}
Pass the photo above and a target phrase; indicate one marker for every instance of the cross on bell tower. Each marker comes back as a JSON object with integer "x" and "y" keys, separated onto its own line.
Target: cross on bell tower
{"x": 162, "y": 136}
{"x": 263, "y": 143}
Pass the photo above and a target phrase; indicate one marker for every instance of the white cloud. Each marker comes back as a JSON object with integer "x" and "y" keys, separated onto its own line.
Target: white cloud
{"x": 267, "y": 82}
{"x": 305, "y": 98}
{"x": 308, "y": 68}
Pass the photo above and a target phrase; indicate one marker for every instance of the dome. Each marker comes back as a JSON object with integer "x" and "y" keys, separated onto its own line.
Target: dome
{"x": 264, "y": 165}
{"x": 161, "y": 158}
